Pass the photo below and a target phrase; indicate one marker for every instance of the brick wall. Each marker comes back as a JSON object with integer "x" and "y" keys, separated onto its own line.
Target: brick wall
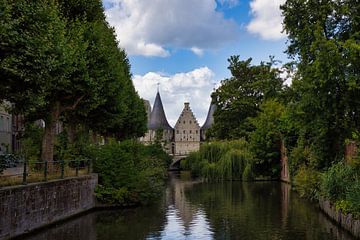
{"x": 25, "y": 208}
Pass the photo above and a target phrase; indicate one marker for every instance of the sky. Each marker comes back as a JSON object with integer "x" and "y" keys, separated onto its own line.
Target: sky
{"x": 183, "y": 45}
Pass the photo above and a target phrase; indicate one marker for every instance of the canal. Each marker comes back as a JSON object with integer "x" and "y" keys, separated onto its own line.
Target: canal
{"x": 194, "y": 210}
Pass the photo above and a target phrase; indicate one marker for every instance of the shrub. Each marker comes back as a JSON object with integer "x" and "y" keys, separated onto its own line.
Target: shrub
{"x": 306, "y": 182}
{"x": 353, "y": 197}
{"x": 335, "y": 180}
{"x": 341, "y": 185}
{"x": 129, "y": 172}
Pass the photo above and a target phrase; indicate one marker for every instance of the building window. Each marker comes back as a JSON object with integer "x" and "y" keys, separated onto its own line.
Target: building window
{"x": 190, "y": 131}
{"x": 177, "y": 131}
{"x": 190, "y": 122}
{"x": 184, "y": 122}
{"x": 197, "y": 131}
{"x": 184, "y": 131}
{"x": 1, "y": 123}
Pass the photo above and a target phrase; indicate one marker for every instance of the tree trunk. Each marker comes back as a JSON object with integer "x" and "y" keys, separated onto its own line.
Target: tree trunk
{"x": 71, "y": 130}
{"x": 94, "y": 137}
{"x": 47, "y": 153}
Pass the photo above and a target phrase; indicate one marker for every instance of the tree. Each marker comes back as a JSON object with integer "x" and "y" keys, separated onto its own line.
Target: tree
{"x": 265, "y": 140}
{"x": 43, "y": 65}
{"x": 240, "y": 96}
{"x": 324, "y": 38}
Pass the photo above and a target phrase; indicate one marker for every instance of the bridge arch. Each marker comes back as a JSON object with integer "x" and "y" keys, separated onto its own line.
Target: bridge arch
{"x": 175, "y": 164}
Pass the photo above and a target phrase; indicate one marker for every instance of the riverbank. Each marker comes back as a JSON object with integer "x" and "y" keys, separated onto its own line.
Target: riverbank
{"x": 346, "y": 221}
{"x": 29, "y": 207}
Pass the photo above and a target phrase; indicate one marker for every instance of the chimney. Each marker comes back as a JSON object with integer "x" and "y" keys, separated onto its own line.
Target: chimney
{"x": 186, "y": 105}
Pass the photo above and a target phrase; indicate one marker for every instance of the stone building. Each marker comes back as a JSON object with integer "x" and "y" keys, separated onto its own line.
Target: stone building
{"x": 186, "y": 135}
{"x": 5, "y": 130}
{"x": 187, "y": 132}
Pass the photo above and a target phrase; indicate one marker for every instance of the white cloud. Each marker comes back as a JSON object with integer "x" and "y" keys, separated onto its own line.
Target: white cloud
{"x": 229, "y": 3}
{"x": 197, "y": 51}
{"x": 194, "y": 87}
{"x": 267, "y": 19}
{"x": 150, "y": 28}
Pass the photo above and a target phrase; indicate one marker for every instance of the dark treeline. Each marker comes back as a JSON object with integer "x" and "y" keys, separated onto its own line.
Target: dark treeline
{"x": 315, "y": 118}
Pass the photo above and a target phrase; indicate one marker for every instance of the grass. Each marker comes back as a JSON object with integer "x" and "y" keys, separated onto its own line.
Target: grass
{"x": 38, "y": 176}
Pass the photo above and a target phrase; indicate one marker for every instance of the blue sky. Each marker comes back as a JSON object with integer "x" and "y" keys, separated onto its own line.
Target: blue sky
{"x": 184, "y": 44}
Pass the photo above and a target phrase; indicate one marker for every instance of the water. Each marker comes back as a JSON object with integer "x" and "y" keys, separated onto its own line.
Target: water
{"x": 194, "y": 210}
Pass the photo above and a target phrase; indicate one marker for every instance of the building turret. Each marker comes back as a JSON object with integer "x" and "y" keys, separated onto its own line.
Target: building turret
{"x": 157, "y": 117}
{"x": 158, "y": 124}
{"x": 209, "y": 121}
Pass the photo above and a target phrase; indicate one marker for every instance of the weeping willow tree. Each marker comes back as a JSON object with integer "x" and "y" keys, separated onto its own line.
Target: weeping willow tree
{"x": 217, "y": 161}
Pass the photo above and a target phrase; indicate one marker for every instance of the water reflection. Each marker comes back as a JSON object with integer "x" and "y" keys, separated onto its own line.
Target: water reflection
{"x": 193, "y": 210}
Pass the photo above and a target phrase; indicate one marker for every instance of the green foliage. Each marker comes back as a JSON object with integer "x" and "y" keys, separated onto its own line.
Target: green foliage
{"x": 335, "y": 181}
{"x": 341, "y": 184}
{"x": 221, "y": 161}
{"x": 306, "y": 182}
{"x": 265, "y": 140}
{"x": 74, "y": 149}
{"x": 324, "y": 38}
{"x": 239, "y": 97}
{"x": 30, "y": 142}
{"x": 129, "y": 173}
{"x": 353, "y": 197}
{"x": 61, "y": 60}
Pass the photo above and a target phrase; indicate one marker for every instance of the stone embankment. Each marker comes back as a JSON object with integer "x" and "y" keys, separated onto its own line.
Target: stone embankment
{"x": 29, "y": 207}
{"x": 347, "y": 221}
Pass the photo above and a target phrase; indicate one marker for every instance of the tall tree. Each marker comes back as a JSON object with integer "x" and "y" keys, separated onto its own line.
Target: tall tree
{"x": 324, "y": 37}
{"x": 240, "y": 96}
{"x": 43, "y": 64}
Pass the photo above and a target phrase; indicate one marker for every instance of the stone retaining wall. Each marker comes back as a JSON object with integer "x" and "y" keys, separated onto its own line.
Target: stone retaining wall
{"x": 347, "y": 221}
{"x": 28, "y": 207}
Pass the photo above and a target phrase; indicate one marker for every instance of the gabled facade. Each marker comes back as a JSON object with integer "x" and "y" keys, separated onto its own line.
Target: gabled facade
{"x": 184, "y": 138}
{"x": 187, "y": 132}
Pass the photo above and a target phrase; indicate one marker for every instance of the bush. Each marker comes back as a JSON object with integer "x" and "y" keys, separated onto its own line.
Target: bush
{"x": 129, "y": 173}
{"x": 353, "y": 197}
{"x": 335, "y": 181}
{"x": 306, "y": 182}
{"x": 341, "y": 185}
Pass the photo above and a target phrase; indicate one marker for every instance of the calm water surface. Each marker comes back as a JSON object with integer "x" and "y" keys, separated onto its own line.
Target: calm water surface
{"x": 194, "y": 210}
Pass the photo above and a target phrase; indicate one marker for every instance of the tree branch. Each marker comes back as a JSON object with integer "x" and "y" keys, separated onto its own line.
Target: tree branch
{"x": 72, "y": 107}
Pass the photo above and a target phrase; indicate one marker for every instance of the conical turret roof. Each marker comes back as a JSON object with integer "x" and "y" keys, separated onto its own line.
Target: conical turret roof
{"x": 210, "y": 117}
{"x": 157, "y": 117}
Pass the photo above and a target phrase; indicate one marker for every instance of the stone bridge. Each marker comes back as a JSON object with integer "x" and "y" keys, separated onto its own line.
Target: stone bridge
{"x": 176, "y": 159}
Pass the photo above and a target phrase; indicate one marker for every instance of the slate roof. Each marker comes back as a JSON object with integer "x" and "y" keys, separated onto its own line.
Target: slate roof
{"x": 210, "y": 117}
{"x": 157, "y": 117}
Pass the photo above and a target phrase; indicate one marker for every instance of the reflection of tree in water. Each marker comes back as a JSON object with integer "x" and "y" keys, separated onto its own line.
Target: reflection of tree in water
{"x": 229, "y": 210}
{"x": 137, "y": 223}
{"x": 262, "y": 210}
